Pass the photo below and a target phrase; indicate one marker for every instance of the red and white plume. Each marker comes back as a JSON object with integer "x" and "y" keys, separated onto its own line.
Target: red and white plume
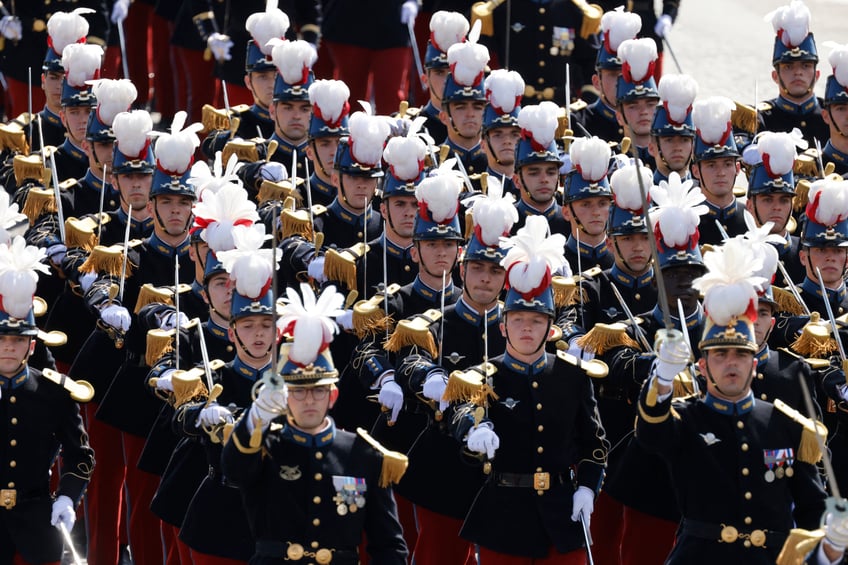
{"x": 293, "y": 59}
{"x": 618, "y": 26}
{"x": 368, "y": 136}
{"x": 81, "y": 62}
{"x": 678, "y": 211}
{"x": 625, "y": 187}
{"x": 267, "y": 25}
{"x": 638, "y": 57}
{"x": 447, "y": 28}
{"x": 539, "y": 122}
{"x": 309, "y": 320}
{"x": 760, "y": 239}
{"x": 504, "y": 90}
{"x": 131, "y": 132}
{"x": 439, "y": 194}
{"x": 711, "y": 117}
{"x": 65, "y": 28}
{"x": 828, "y": 203}
{"x": 329, "y": 99}
{"x": 677, "y": 92}
{"x": 220, "y": 212}
{"x": 494, "y": 213}
{"x": 9, "y": 216}
{"x": 838, "y": 60}
{"x": 113, "y": 97}
{"x": 468, "y": 59}
{"x": 175, "y": 151}
{"x": 777, "y": 150}
{"x": 791, "y": 23}
{"x": 730, "y": 285}
{"x": 19, "y": 264}
{"x": 532, "y": 255}
{"x": 591, "y": 157}
{"x": 249, "y": 265}
{"x": 405, "y": 156}
{"x": 204, "y": 178}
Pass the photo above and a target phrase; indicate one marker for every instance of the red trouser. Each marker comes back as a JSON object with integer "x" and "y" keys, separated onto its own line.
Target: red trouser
{"x": 647, "y": 540}
{"x": 197, "y": 75}
{"x": 577, "y": 557}
{"x": 145, "y": 537}
{"x": 439, "y": 541}
{"x": 607, "y": 528}
{"x": 206, "y": 559}
{"x": 406, "y": 517}
{"x": 18, "y": 99}
{"x": 18, "y": 560}
{"x": 104, "y": 497}
{"x": 183, "y": 552}
{"x": 387, "y": 69}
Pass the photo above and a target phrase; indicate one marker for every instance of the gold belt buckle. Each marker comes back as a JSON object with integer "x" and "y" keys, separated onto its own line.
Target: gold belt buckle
{"x": 323, "y": 556}
{"x": 758, "y": 538}
{"x": 294, "y": 552}
{"x": 541, "y": 481}
{"x": 8, "y": 498}
{"x": 729, "y": 534}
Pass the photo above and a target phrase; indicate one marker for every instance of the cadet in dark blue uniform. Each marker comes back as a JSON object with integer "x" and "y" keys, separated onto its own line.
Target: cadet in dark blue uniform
{"x": 672, "y": 133}
{"x": 500, "y": 125}
{"x": 637, "y": 95}
{"x": 835, "y": 115}
{"x": 328, "y": 124}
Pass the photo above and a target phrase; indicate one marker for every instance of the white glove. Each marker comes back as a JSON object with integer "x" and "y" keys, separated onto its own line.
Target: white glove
{"x": 408, "y": 12}
{"x": 214, "y": 414}
{"x": 673, "y": 355}
{"x": 484, "y": 440}
{"x": 220, "y": 46}
{"x": 391, "y": 396}
{"x": 843, "y": 392}
{"x": 56, "y": 253}
{"x": 168, "y": 320}
{"x": 269, "y": 404}
{"x": 579, "y": 352}
{"x": 346, "y": 320}
{"x": 663, "y": 25}
{"x": 10, "y": 27}
{"x": 119, "y": 11}
{"x": 836, "y": 530}
{"x": 582, "y": 501}
{"x": 63, "y": 513}
{"x": 86, "y": 280}
{"x": 315, "y": 270}
{"x": 434, "y": 387}
{"x": 163, "y": 382}
{"x": 273, "y": 171}
{"x": 116, "y": 316}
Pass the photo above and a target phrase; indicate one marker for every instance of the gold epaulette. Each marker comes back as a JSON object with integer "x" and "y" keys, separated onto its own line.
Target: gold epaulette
{"x": 595, "y": 368}
{"x": 807, "y": 164}
{"x": 39, "y": 201}
{"x": 603, "y": 337}
{"x": 190, "y": 385}
{"x": 149, "y": 294}
{"x": 297, "y": 221}
{"x": 80, "y": 390}
{"x": 14, "y": 138}
{"x": 415, "y": 332}
{"x": 106, "y": 260}
{"x": 340, "y": 265}
{"x": 798, "y": 545}
{"x": 592, "y": 14}
{"x": 214, "y": 118}
{"x": 270, "y": 190}
{"x": 565, "y": 288}
{"x": 744, "y": 118}
{"x": 470, "y": 384}
{"x": 82, "y": 232}
{"x": 368, "y": 315}
{"x": 809, "y": 450}
{"x": 483, "y": 11}
{"x": 28, "y": 167}
{"x": 682, "y": 384}
{"x": 815, "y": 340}
{"x": 244, "y": 149}
{"x": 562, "y": 124}
{"x": 764, "y": 106}
{"x": 394, "y": 463}
{"x": 578, "y": 105}
{"x": 469, "y": 224}
{"x": 814, "y": 362}
{"x": 786, "y": 301}
{"x": 802, "y": 195}
{"x": 159, "y": 343}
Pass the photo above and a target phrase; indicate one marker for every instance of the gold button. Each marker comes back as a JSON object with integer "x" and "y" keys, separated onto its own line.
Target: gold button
{"x": 14, "y": 421}
{"x": 318, "y": 476}
{"x": 744, "y": 447}
{"x": 538, "y": 469}
{"x": 11, "y": 484}
{"x": 315, "y": 545}
{"x": 406, "y": 268}
{"x": 748, "y": 520}
{"x": 541, "y": 81}
{"x": 637, "y": 296}
{"x": 541, "y": 28}
{"x": 229, "y": 349}
{"x": 541, "y": 10}
{"x": 316, "y": 522}
{"x": 541, "y": 63}
{"x": 359, "y": 234}
{"x": 13, "y": 464}
{"x": 540, "y": 449}
{"x": 13, "y": 443}
{"x": 12, "y": 399}
{"x": 316, "y": 500}
{"x": 804, "y": 124}
{"x": 534, "y": 384}
{"x": 539, "y": 406}
{"x": 763, "y": 396}
{"x": 745, "y": 471}
{"x": 319, "y": 455}
{"x": 759, "y": 375}
{"x": 740, "y": 424}
{"x": 748, "y": 495}
{"x": 541, "y": 428}
{"x": 747, "y": 543}
{"x": 541, "y": 46}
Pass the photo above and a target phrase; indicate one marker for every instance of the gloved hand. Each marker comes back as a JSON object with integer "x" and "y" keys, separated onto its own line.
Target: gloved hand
{"x": 836, "y": 529}
{"x": 579, "y": 352}
{"x": 673, "y": 354}
{"x": 434, "y": 387}
{"x": 346, "y": 320}
{"x": 168, "y": 320}
{"x": 582, "y": 501}
{"x": 214, "y": 414}
{"x": 63, "y": 513}
{"x": 220, "y": 46}
{"x": 10, "y": 27}
{"x": 315, "y": 270}
{"x": 116, "y": 316}
{"x": 86, "y": 280}
{"x": 408, "y": 12}
{"x": 483, "y": 440}
{"x": 119, "y": 11}
{"x": 663, "y": 25}
{"x": 56, "y": 253}
{"x": 163, "y": 382}
{"x": 273, "y": 171}
{"x": 391, "y": 396}
{"x": 269, "y": 403}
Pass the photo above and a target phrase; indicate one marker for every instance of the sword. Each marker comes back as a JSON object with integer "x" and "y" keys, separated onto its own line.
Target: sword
{"x": 29, "y": 99}
{"x": 639, "y": 333}
{"x": 67, "y": 535}
{"x": 176, "y": 308}
{"x": 465, "y": 179}
{"x": 587, "y": 536}
{"x": 568, "y": 95}
{"x": 55, "y": 176}
{"x": 410, "y": 27}
{"x": 579, "y": 277}
{"x": 308, "y": 197}
{"x": 100, "y": 209}
{"x": 673, "y": 57}
{"x": 442, "y": 321}
{"x": 830, "y": 317}
{"x": 819, "y": 157}
{"x": 204, "y": 354}
{"x": 124, "y": 64}
{"x": 126, "y": 253}
{"x": 685, "y": 332}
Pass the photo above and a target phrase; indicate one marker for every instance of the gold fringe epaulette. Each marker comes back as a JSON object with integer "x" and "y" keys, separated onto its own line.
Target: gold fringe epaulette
{"x": 562, "y": 129}
{"x": 807, "y": 164}
{"x": 798, "y": 545}
{"x": 415, "y": 332}
{"x": 149, "y": 294}
{"x": 28, "y": 167}
{"x": 809, "y": 450}
{"x": 14, "y": 138}
{"x": 82, "y": 233}
{"x": 188, "y": 386}
{"x": 214, "y": 118}
{"x": 394, "y": 463}
{"x": 244, "y": 149}
{"x": 269, "y": 191}
{"x": 469, "y": 224}
{"x": 369, "y": 316}
{"x": 592, "y": 14}
{"x": 341, "y": 265}
{"x": 106, "y": 260}
{"x": 786, "y": 301}
{"x": 682, "y": 386}
{"x": 565, "y": 291}
{"x": 603, "y": 337}
{"x": 39, "y": 201}
{"x": 159, "y": 343}
{"x": 470, "y": 384}
{"x": 744, "y": 118}
{"x": 802, "y": 195}
{"x": 815, "y": 339}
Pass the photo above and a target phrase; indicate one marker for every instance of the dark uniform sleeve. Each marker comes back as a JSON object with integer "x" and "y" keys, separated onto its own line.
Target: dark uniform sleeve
{"x": 77, "y": 455}
{"x": 240, "y": 463}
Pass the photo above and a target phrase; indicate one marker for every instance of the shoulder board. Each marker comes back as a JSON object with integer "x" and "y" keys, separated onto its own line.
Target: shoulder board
{"x": 764, "y": 106}
{"x": 595, "y": 368}
{"x": 591, "y": 273}
{"x": 413, "y": 112}
{"x": 603, "y": 337}
{"x": 135, "y": 243}
{"x": 813, "y": 362}
{"x": 463, "y": 386}
{"x": 81, "y": 391}
{"x": 592, "y": 14}
{"x": 415, "y": 332}
{"x": 578, "y": 105}
{"x": 23, "y": 119}
{"x": 318, "y": 209}
{"x": 394, "y": 463}
{"x": 809, "y": 450}
{"x": 68, "y": 184}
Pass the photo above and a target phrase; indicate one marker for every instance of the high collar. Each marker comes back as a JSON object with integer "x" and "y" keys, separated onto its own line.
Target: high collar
{"x": 339, "y": 211}
{"x": 523, "y": 368}
{"x": 594, "y": 253}
{"x": 393, "y": 249}
{"x": 729, "y": 408}
{"x": 15, "y": 381}
{"x": 197, "y": 288}
{"x": 93, "y": 182}
{"x": 469, "y": 315}
{"x": 601, "y": 109}
{"x": 834, "y": 154}
{"x": 431, "y": 294}
{"x": 694, "y": 319}
{"x": 461, "y": 152}
{"x": 322, "y": 439}
{"x": 721, "y": 213}
{"x": 629, "y": 281}
{"x": 430, "y": 110}
{"x": 659, "y": 177}
{"x": 287, "y": 146}
{"x": 163, "y": 248}
{"x": 260, "y": 112}
{"x": 835, "y": 297}
{"x": 785, "y": 247}
{"x": 802, "y": 109}
{"x": 214, "y": 329}
{"x": 48, "y": 115}
{"x": 143, "y": 226}
{"x": 321, "y": 187}
{"x": 73, "y": 151}
{"x": 550, "y": 212}
{"x": 242, "y": 369}
{"x": 762, "y": 356}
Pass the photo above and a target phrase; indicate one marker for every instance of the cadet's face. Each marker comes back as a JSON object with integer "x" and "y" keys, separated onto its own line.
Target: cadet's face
{"x": 435, "y": 79}
{"x": 257, "y": 334}
{"x": 717, "y": 176}
{"x": 75, "y": 118}
{"x": 437, "y": 255}
{"x": 797, "y": 77}
{"x": 483, "y": 281}
{"x": 763, "y": 323}
{"x": 134, "y": 188}
{"x": 467, "y": 117}
{"x": 632, "y": 252}
{"x": 677, "y": 150}
{"x": 103, "y": 154}
{"x": 359, "y": 190}
{"x": 830, "y": 261}
{"x": 307, "y": 412}
{"x": 678, "y": 285}
{"x": 220, "y": 294}
{"x": 502, "y": 141}
{"x": 13, "y": 350}
{"x": 836, "y": 116}
{"x": 174, "y": 211}
{"x": 638, "y": 115}
{"x": 540, "y": 180}
{"x": 402, "y": 210}
{"x": 262, "y": 86}
{"x": 52, "y": 84}
{"x": 592, "y": 213}
{"x": 325, "y": 149}
{"x": 525, "y": 331}
{"x": 291, "y": 119}
{"x": 771, "y": 208}
{"x": 731, "y": 368}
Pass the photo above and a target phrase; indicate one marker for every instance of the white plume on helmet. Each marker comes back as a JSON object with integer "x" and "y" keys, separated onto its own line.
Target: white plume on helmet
{"x": 777, "y": 150}
{"x": 838, "y": 59}
{"x": 504, "y": 90}
{"x": 730, "y": 284}
{"x": 267, "y": 25}
{"x": 81, "y": 62}
{"x": 618, "y": 25}
{"x": 448, "y": 28}
{"x": 624, "y": 184}
{"x": 440, "y": 194}
{"x": 293, "y": 59}
{"x": 249, "y": 265}
{"x": 131, "y": 130}
{"x": 590, "y": 156}
{"x": 677, "y": 92}
{"x": 220, "y": 212}
{"x": 791, "y": 23}
{"x": 368, "y": 136}
{"x": 9, "y": 216}
{"x": 19, "y": 267}
{"x": 65, "y": 28}
{"x": 761, "y": 239}
{"x": 175, "y": 150}
{"x": 637, "y": 56}
{"x": 495, "y": 213}
{"x": 310, "y": 321}
{"x": 405, "y": 156}
{"x": 678, "y": 211}
{"x": 540, "y": 121}
{"x": 468, "y": 59}
{"x": 113, "y": 97}
{"x": 204, "y": 178}
{"x": 532, "y": 253}
{"x": 828, "y": 203}
{"x": 330, "y": 98}
{"x": 711, "y": 117}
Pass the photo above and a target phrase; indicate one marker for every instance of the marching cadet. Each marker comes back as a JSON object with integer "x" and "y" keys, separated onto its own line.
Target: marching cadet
{"x": 716, "y": 166}
{"x": 835, "y": 112}
{"x": 586, "y": 205}
{"x": 537, "y": 165}
{"x": 309, "y": 488}
{"x": 743, "y": 469}
{"x": 327, "y": 125}
{"x": 533, "y": 421}
{"x": 598, "y": 118}
{"x": 794, "y": 60}
{"x": 500, "y": 125}
{"x": 637, "y": 95}
{"x": 41, "y": 417}
{"x": 672, "y": 133}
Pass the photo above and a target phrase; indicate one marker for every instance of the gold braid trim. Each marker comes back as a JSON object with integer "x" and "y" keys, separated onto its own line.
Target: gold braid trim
{"x": 603, "y": 337}
{"x": 394, "y": 463}
{"x": 809, "y": 450}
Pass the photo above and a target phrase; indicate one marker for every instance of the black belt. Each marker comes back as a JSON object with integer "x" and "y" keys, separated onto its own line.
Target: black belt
{"x": 537, "y": 481}
{"x": 291, "y": 551}
{"x": 725, "y": 533}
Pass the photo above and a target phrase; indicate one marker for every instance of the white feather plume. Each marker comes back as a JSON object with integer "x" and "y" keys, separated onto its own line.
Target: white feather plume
{"x": 778, "y": 148}
{"x": 131, "y": 130}
{"x": 204, "y": 178}
{"x": 9, "y": 216}
{"x": 447, "y": 29}
{"x": 531, "y": 252}
{"x": 591, "y": 156}
{"x": 405, "y": 156}
{"x": 310, "y": 320}
{"x": 81, "y": 62}
{"x": 367, "y": 138}
{"x": 540, "y": 120}
{"x": 504, "y": 89}
{"x": 440, "y": 192}
{"x": 329, "y": 96}
{"x": 618, "y": 26}
{"x": 113, "y": 97}
{"x": 220, "y": 212}
{"x": 678, "y": 92}
{"x": 828, "y": 201}
{"x": 625, "y": 186}
{"x": 638, "y": 54}
{"x": 838, "y": 60}
{"x": 174, "y": 151}
{"x": 249, "y": 265}
{"x": 264, "y": 26}
{"x": 495, "y": 213}
{"x": 468, "y": 61}
{"x": 764, "y": 243}
{"x": 292, "y": 57}
{"x": 730, "y": 285}
{"x": 791, "y": 23}
{"x": 66, "y": 28}
{"x": 711, "y": 117}
{"x": 19, "y": 267}
{"x": 678, "y": 210}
